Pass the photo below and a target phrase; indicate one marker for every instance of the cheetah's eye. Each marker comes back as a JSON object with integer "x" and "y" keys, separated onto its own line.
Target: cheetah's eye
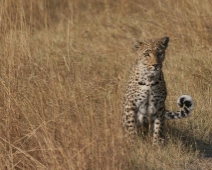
{"x": 146, "y": 54}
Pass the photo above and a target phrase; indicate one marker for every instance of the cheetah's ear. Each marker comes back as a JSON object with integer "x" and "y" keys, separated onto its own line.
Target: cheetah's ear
{"x": 136, "y": 43}
{"x": 164, "y": 42}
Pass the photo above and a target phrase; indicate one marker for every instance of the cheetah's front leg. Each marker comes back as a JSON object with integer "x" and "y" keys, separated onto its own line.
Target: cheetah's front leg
{"x": 142, "y": 124}
{"x": 129, "y": 119}
{"x": 158, "y": 134}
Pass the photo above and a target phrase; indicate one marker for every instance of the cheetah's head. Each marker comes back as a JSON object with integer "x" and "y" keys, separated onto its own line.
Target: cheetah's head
{"x": 152, "y": 52}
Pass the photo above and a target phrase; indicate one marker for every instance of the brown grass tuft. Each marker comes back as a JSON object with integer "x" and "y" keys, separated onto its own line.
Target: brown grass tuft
{"x": 64, "y": 66}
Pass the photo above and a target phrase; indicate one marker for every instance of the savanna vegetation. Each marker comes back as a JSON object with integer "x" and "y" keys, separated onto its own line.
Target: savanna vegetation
{"x": 64, "y": 65}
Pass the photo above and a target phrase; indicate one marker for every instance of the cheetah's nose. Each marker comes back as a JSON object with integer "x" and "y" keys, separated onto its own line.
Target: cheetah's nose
{"x": 155, "y": 65}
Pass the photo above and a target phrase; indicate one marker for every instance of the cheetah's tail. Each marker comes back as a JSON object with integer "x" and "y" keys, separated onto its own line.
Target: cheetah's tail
{"x": 186, "y": 105}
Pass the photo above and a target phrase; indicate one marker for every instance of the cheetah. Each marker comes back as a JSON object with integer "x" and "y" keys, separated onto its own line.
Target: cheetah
{"x": 144, "y": 103}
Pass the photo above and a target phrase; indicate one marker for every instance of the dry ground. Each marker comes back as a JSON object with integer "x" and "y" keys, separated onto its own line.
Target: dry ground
{"x": 64, "y": 65}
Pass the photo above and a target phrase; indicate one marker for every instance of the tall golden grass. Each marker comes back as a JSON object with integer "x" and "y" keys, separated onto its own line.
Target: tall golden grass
{"x": 64, "y": 66}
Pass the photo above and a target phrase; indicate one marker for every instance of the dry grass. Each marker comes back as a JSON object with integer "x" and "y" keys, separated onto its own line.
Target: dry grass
{"x": 64, "y": 65}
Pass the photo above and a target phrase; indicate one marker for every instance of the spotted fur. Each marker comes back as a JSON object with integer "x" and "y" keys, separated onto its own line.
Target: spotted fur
{"x": 146, "y": 92}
